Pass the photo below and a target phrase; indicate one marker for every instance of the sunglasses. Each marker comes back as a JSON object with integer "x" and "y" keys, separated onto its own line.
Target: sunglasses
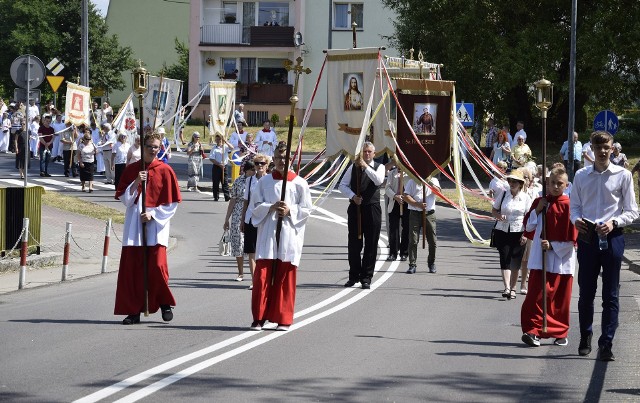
{"x": 260, "y": 163}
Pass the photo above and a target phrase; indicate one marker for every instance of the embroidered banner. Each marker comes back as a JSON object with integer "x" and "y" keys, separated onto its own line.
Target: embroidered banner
{"x": 223, "y": 99}
{"x": 428, "y": 112}
{"x": 351, "y": 75}
{"x": 77, "y": 105}
{"x": 125, "y": 120}
{"x": 162, "y": 100}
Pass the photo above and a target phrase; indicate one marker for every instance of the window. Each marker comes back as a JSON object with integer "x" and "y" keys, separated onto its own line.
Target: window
{"x": 230, "y": 69}
{"x": 274, "y": 13}
{"x": 229, "y": 12}
{"x": 272, "y": 71}
{"x": 345, "y": 13}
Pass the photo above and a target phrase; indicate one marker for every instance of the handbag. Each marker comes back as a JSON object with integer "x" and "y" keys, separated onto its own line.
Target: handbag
{"x": 492, "y": 243}
{"x": 224, "y": 247}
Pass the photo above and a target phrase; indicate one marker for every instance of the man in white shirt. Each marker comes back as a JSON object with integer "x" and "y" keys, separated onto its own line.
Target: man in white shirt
{"x": 587, "y": 154}
{"x": 238, "y": 138}
{"x": 520, "y": 133}
{"x": 32, "y": 110}
{"x": 109, "y": 140}
{"x": 58, "y": 126}
{"x": 364, "y": 201}
{"x": 602, "y": 202}
{"x": 577, "y": 153}
{"x": 238, "y": 115}
{"x": 266, "y": 139}
{"x": 413, "y": 195}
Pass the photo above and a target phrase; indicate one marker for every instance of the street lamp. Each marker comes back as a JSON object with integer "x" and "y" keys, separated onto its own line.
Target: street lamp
{"x": 544, "y": 100}
{"x": 140, "y": 81}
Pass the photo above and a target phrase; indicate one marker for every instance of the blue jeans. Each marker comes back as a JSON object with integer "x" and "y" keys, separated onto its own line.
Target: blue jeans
{"x": 591, "y": 259}
{"x": 44, "y": 158}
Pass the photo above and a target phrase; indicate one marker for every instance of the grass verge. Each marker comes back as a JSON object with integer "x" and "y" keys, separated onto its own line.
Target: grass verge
{"x": 473, "y": 202}
{"x": 79, "y": 206}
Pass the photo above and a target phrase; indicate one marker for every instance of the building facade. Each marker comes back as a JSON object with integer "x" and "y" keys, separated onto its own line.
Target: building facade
{"x": 249, "y": 41}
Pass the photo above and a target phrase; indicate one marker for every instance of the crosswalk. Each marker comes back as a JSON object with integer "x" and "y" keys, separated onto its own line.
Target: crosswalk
{"x": 57, "y": 183}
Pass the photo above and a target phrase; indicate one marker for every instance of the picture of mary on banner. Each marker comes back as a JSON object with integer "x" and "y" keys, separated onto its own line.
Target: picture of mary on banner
{"x": 424, "y": 116}
{"x": 353, "y": 98}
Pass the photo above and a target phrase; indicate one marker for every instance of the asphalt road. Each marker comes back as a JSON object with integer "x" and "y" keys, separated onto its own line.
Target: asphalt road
{"x": 440, "y": 337}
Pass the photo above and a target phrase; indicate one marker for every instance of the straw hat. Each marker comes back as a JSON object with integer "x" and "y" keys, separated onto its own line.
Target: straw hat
{"x": 517, "y": 175}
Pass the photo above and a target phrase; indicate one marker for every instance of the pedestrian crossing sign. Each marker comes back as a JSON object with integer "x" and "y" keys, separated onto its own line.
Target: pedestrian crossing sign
{"x": 464, "y": 113}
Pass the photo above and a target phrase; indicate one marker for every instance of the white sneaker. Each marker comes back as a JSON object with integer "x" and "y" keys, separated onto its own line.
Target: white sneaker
{"x": 282, "y": 328}
{"x": 250, "y": 287}
{"x": 239, "y": 278}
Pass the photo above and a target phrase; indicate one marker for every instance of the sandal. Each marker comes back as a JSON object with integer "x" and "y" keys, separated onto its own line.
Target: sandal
{"x": 505, "y": 293}
{"x": 512, "y": 295}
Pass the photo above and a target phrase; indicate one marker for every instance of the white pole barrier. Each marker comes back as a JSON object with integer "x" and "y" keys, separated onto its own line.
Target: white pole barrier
{"x": 23, "y": 253}
{"x": 65, "y": 257}
{"x": 105, "y": 249}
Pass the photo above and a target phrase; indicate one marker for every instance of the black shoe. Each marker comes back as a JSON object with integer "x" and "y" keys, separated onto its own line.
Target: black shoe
{"x": 365, "y": 285}
{"x": 47, "y": 174}
{"x": 403, "y": 258}
{"x": 131, "y": 320}
{"x": 432, "y": 268}
{"x": 412, "y": 269}
{"x": 605, "y": 354}
{"x": 167, "y": 315}
{"x": 585, "y": 345}
{"x": 391, "y": 258}
{"x": 67, "y": 174}
{"x": 349, "y": 283}
{"x": 42, "y": 174}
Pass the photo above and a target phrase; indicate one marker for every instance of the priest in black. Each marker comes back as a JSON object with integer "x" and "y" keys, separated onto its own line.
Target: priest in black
{"x": 361, "y": 185}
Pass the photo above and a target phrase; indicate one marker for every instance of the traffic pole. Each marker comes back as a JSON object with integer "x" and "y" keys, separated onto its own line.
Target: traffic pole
{"x": 65, "y": 256}
{"x": 23, "y": 253}
{"x": 105, "y": 249}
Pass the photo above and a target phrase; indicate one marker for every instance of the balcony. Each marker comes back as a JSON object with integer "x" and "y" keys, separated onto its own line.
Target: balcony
{"x": 257, "y": 36}
{"x": 257, "y": 93}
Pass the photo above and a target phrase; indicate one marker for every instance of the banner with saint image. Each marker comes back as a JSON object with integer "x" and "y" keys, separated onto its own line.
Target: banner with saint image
{"x": 125, "y": 120}
{"x": 351, "y": 74}
{"x": 77, "y": 105}
{"x": 161, "y": 101}
{"x": 223, "y": 98}
{"x": 428, "y": 107}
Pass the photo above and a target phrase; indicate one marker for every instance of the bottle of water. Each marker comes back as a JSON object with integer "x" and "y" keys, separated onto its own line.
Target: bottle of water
{"x": 602, "y": 241}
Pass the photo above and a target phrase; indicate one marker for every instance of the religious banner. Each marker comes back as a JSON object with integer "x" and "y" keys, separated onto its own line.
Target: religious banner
{"x": 384, "y": 119}
{"x": 77, "y": 105}
{"x": 161, "y": 101}
{"x": 428, "y": 108}
{"x": 351, "y": 75}
{"x": 125, "y": 120}
{"x": 223, "y": 98}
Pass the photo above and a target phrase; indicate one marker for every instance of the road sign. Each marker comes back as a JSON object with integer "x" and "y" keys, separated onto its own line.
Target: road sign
{"x": 20, "y": 94}
{"x": 54, "y": 82}
{"x": 55, "y": 66}
{"x": 464, "y": 112}
{"x": 606, "y": 120}
{"x": 19, "y": 71}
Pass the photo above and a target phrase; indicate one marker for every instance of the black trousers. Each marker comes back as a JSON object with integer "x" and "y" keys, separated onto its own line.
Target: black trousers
{"x": 361, "y": 268}
{"x": 117, "y": 174}
{"x": 576, "y": 165}
{"x": 399, "y": 231}
{"x": 69, "y": 160}
{"x": 216, "y": 174}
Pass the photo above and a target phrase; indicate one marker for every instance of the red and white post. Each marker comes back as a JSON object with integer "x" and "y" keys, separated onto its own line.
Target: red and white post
{"x": 65, "y": 256}
{"x": 24, "y": 249}
{"x": 105, "y": 249}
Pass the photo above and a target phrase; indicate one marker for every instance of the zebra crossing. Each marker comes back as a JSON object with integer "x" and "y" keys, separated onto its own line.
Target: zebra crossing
{"x": 56, "y": 183}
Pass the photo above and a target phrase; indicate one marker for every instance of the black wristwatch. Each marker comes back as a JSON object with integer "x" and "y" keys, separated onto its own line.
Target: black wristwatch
{"x": 615, "y": 223}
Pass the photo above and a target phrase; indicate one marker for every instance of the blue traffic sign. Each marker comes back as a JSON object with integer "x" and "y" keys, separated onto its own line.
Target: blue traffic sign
{"x": 607, "y": 121}
{"x": 464, "y": 113}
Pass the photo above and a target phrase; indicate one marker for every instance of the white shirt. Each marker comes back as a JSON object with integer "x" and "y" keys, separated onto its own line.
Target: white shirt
{"x": 120, "y": 152}
{"x": 219, "y": 154}
{"x": 561, "y": 259}
{"x": 236, "y": 137}
{"x": 600, "y": 197}
{"x": 514, "y": 209}
{"x": 298, "y": 198}
{"x": 33, "y": 111}
{"x": 269, "y": 137}
{"x": 58, "y": 127}
{"x": 393, "y": 179}
{"x": 414, "y": 189}
{"x": 6, "y": 125}
{"x": 376, "y": 176}
{"x": 498, "y": 185}
{"x": 110, "y": 139}
{"x": 587, "y": 151}
{"x": 157, "y": 230}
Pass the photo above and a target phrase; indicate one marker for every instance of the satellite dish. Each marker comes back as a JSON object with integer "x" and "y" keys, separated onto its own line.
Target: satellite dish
{"x": 297, "y": 39}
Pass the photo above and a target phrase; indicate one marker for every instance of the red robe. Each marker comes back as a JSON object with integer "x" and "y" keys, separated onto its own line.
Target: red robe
{"x": 162, "y": 189}
{"x": 558, "y": 228}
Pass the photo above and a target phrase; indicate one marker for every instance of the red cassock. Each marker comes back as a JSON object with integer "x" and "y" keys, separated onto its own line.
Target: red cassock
{"x": 162, "y": 189}
{"x": 558, "y": 286}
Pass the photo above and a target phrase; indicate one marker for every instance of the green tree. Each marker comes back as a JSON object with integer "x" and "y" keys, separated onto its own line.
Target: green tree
{"x": 51, "y": 28}
{"x": 180, "y": 69}
{"x": 495, "y": 50}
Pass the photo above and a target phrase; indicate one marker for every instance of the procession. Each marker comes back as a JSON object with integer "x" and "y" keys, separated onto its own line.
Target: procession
{"x": 384, "y": 211}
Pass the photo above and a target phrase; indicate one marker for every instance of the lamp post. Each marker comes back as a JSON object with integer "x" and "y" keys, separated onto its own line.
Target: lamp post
{"x": 544, "y": 100}
{"x": 140, "y": 80}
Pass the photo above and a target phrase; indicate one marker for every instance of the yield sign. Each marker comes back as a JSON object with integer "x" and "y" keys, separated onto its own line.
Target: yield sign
{"x": 54, "y": 82}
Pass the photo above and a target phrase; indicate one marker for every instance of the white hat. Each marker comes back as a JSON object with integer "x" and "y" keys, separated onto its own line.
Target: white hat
{"x": 106, "y": 126}
{"x": 160, "y": 130}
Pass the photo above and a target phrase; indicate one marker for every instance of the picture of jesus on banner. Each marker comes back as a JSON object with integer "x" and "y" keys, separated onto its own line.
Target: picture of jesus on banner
{"x": 353, "y": 98}
{"x": 424, "y": 116}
